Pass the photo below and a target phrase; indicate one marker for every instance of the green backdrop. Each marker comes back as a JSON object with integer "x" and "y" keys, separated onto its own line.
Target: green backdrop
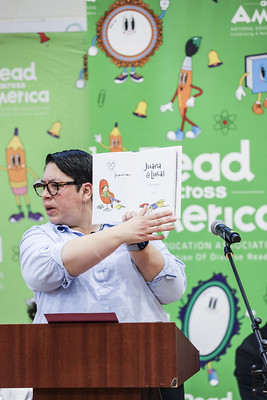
{"x": 45, "y": 106}
{"x": 224, "y": 165}
{"x": 41, "y": 111}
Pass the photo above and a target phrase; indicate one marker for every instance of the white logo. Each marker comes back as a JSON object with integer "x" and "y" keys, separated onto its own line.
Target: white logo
{"x": 242, "y": 16}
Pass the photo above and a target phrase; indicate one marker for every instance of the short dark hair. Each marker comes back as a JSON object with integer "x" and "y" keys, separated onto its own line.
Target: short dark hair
{"x": 75, "y": 163}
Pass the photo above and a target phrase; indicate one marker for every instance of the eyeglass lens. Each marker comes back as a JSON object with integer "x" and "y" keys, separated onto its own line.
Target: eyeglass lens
{"x": 52, "y": 188}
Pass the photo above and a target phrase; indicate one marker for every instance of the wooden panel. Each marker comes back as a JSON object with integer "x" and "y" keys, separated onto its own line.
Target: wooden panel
{"x": 97, "y": 355}
{"x": 96, "y": 394}
{"x": 187, "y": 358}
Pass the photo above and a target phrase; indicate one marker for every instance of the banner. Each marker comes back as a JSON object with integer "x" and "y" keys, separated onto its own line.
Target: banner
{"x": 43, "y": 108}
{"x": 163, "y": 73}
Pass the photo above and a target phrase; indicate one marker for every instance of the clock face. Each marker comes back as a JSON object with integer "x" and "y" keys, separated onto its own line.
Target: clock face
{"x": 211, "y": 308}
{"x": 209, "y": 318}
{"x": 129, "y": 34}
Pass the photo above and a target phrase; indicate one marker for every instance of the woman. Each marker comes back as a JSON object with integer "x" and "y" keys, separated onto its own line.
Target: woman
{"x": 74, "y": 266}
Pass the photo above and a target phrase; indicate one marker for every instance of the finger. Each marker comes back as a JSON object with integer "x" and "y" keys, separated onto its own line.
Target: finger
{"x": 143, "y": 211}
{"x": 163, "y": 228}
{"x": 128, "y": 216}
{"x": 159, "y": 214}
{"x": 156, "y": 236}
{"x": 156, "y": 231}
{"x": 163, "y": 220}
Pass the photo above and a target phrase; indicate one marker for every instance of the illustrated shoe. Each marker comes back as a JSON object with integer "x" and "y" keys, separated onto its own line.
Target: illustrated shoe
{"x": 194, "y": 133}
{"x": 16, "y": 217}
{"x": 213, "y": 378}
{"x": 121, "y": 78}
{"x": 136, "y": 78}
{"x": 265, "y": 103}
{"x": 257, "y": 108}
{"x": 35, "y": 216}
{"x": 178, "y": 135}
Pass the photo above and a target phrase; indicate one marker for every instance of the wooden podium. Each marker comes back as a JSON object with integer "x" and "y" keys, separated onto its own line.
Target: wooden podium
{"x": 86, "y": 361}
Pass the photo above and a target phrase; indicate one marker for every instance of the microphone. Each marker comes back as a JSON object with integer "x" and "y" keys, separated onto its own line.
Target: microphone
{"x": 219, "y": 228}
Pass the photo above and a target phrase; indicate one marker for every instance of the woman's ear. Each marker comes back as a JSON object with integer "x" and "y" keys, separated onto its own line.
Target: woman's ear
{"x": 87, "y": 190}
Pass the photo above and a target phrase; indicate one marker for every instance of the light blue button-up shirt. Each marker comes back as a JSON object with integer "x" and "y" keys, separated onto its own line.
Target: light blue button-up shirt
{"x": 113, "y": 285}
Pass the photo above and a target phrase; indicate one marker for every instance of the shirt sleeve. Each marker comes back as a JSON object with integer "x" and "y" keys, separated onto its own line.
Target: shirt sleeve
{"x": 170, "y": 284}
{"x": 41, "y": 263}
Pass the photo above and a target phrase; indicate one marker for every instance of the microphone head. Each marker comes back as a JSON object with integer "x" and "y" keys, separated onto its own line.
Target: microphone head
{"x": 235, "y": 237}
{"x": 214, "y": 224}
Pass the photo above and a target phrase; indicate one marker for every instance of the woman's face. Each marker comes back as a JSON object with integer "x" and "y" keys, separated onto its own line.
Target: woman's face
{"x": 67, "y": 207}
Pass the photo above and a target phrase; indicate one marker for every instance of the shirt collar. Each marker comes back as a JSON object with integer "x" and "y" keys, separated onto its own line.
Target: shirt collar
{"x": 66, "y": 228}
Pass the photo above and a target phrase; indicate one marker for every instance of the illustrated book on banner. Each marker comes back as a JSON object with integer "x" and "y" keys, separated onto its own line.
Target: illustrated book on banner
{"x": 129, "y": 181}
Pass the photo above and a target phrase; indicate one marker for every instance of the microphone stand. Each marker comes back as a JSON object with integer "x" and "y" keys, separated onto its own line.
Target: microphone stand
{"x": 262, "y": 343}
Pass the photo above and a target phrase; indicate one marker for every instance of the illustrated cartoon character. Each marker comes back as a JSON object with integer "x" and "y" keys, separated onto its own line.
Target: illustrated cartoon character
{"x": 106, "y": 196}
{"x": 255, "y": 77}
{"x": 129, "y": 33}
{"x": 157, "y": 204}
{"x": 183, "y": 93}
{"x": 17, "y": 174}
{"x": 115, "y": 140}
{"x": 209, "y": 320}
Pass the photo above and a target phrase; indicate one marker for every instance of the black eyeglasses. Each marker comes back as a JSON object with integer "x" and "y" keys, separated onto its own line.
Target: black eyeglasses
{"x": 52, "y": 187}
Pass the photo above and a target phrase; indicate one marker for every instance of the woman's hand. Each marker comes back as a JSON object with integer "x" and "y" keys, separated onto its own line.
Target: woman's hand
{"x": 142, "y": 226}
{"x": 82, "y": 253}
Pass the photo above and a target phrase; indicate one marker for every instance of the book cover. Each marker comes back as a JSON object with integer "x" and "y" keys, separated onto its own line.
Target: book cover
{"x": 256, "y": 67}
{"x": 127, "y": 181}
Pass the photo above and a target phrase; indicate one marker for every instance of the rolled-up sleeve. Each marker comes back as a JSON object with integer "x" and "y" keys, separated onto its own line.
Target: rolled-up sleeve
{"x": 41, "y": 263}
{"x": 170, "y": 284}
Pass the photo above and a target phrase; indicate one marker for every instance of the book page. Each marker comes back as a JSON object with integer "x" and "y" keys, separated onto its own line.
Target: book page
{"x": 112, "y": 186}
{"x": 156, "y": 180}
{"x": 127, "y": 181}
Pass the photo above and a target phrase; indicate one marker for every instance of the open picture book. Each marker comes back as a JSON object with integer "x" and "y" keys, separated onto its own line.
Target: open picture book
{"x": 128, "y": 181}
